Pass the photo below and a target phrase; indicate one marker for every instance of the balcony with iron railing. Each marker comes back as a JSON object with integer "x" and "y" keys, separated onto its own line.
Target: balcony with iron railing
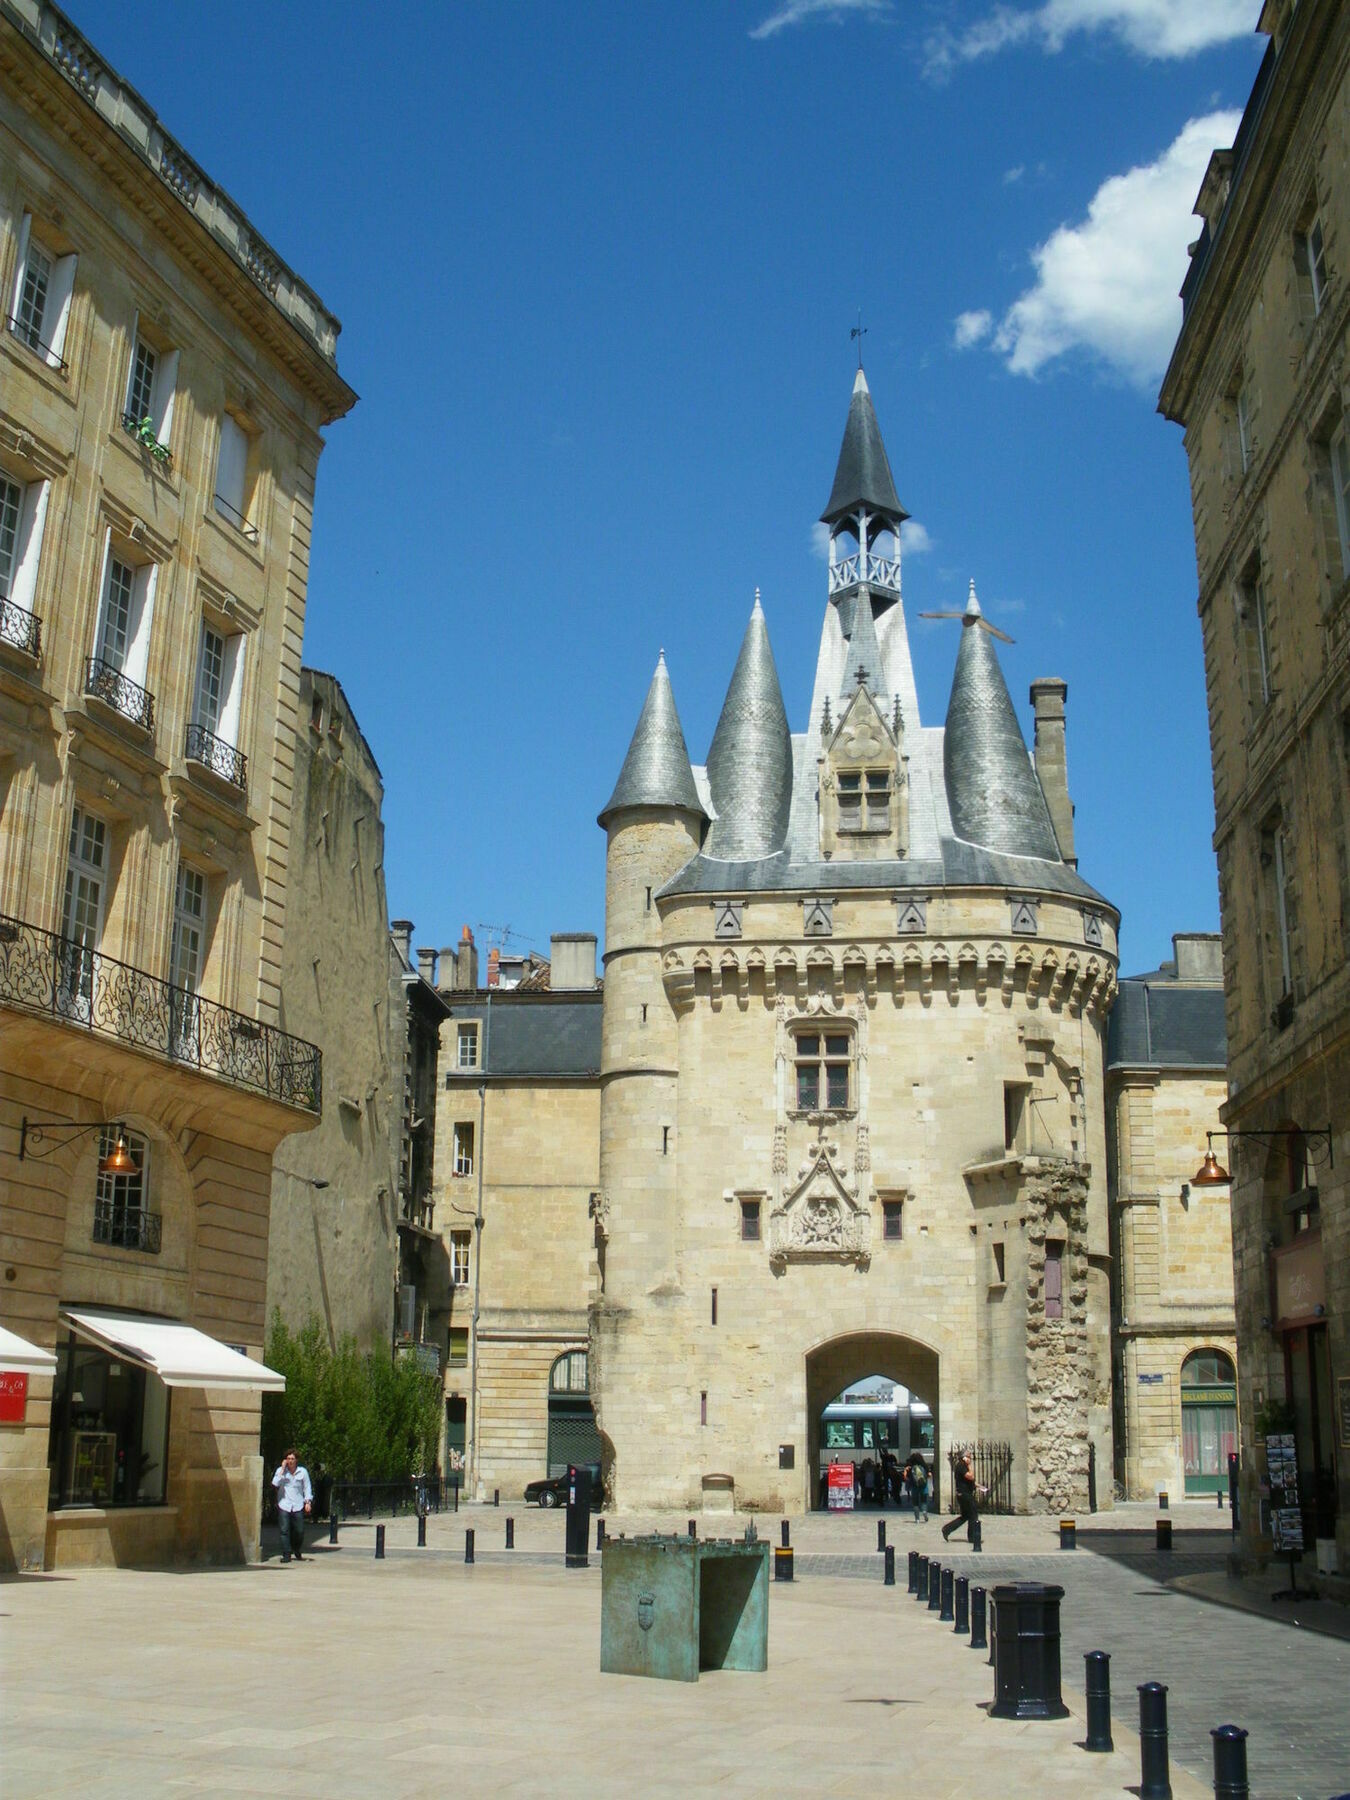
{"x": 20, "y": 630}
{"x": 45, "y": 974}
{"x": 881, "y": 571}
{"x": 213, "y": 754}
{"x": 239, "y": 520}
{"x": 105, "y": 681}
{"x": 127, "y": 1227}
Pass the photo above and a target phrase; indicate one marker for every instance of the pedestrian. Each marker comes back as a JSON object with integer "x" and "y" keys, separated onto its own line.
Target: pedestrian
{"x": 295, "y": 1497}
{"x": 967, "y": 1498}
{"x": 916, "y": 1486}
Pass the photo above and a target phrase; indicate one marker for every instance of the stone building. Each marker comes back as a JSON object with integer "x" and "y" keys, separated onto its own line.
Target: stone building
{"x": 425, "y": 1289}
{"x": 164, "y": 382}
{"x": 1172, "y": 1249}
{"x": 517, "y": 1175}
{"x": 1260, "y": 379}
{"x": 851, "y": 1118}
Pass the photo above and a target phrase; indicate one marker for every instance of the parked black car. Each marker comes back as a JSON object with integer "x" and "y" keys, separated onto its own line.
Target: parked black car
{"x": 552, "y": 1491}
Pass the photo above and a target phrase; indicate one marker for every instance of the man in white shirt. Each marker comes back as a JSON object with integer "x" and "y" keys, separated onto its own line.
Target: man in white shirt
{"x": 295, "y": 1496}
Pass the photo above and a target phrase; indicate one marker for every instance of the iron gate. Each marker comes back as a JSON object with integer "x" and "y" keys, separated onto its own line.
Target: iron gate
{"x": 993, "y": 1470}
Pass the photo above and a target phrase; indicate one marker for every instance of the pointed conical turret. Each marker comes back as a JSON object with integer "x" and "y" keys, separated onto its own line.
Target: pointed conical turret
{"x": 750, "y": 761}
{"x": 863, "y": 475}
{"x": 656, "y": 770}
{"x": 992, "y": 790}
{"x": 862, "y": 669}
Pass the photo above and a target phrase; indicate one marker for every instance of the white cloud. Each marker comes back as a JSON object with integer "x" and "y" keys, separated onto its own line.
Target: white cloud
{"x": 914, "y": 538}
{"x": 1152, "y": 28}
{"x": 1109, "y": 284}
{"x": 808, "y": 12}
{"x": 1012, "y": 176}
{"x": 972, "y": 328}
{"x": 820, "y": 540}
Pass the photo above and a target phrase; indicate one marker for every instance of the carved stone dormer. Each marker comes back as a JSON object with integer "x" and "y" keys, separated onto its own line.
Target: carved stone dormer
{"x": 864, "y": 785}
{"x": 820, "y": 1218}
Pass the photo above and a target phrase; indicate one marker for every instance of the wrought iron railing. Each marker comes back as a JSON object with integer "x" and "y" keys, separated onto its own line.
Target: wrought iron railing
{"x": 25, "y": 335}
{"x": 993, "y": 1470}
{"x": 236, "y": 518}
{"x": 213, "y": 753}
{"x": 143, "y": 430}
{"x": 20, "y": 630}
{"x": 43, "y": 973}
{"x": 126, "y": 1227}
{"x": 114, "y": 689}
{"x": 881, "y": 571}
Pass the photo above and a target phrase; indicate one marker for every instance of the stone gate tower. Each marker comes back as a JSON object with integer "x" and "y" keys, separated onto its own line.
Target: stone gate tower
{"x": 851, "y": 1116}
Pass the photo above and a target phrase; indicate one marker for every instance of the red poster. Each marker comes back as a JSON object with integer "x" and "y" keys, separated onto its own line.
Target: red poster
{"x": 839, "y": 1487}
{"x": 13, "y": 1396}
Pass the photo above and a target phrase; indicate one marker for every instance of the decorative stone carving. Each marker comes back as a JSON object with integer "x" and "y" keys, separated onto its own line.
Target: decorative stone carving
{"x": 818, "y": 918}
{"x": 820, "y": 1219}
{"x": 912, "y": 920}
{"x": 600, "y": 1213}
{"x": 1024, "y": 922}
{"x": 727, "y": 918}
{"x": 1092, "y": 929}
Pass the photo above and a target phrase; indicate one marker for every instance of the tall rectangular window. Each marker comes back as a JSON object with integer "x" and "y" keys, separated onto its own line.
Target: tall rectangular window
{"x": 122, "y": 1202}
{"x": 750, "y": 1221}
{"x": 1246, "y": 440}
{"x": 1054, "y": 1280}
{"x": 33, "y": 289}
{"x": 458, "y": 1346}
{"x": 823, "y": 1071}
{"x": 466, "y": 1046}
{"x": 1254, "y": 632}
{"x": 460, "y": 1242}
{"x": 82, "y": 909}
{"x": 117, "y": 600}
{"x": 126, "y": 607}
{"x": 463, "y": 1147}
{"x": 210, "y": 678}
{"x": 23, "y": 512}
{"x": 233, "y": 467}
{"x": 142, "y": 385}
{"x": 44, "y": 283}
{"x": 189, "y": 926}
{"x": 152, "y": 381}
{"x": 1339, "y": 453}
{"x": 892, "y": 1216}
{"x": 11, "y": 498}
{"x": 1275, "y": 873}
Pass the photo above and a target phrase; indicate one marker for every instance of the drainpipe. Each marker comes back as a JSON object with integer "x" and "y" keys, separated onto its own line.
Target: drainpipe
{"x": 478, "y": 1244}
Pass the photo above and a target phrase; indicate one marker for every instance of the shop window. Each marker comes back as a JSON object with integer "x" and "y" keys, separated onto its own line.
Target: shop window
{"x": 109, "y": 1438}
{"x": 824, "y": 1070}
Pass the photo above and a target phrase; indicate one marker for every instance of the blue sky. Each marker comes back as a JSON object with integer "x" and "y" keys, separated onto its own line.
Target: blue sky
{"x": 597, "y": 267}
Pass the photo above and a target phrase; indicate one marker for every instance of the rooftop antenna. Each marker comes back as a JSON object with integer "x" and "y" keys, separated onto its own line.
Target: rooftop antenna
{"x": 859, "y": 332}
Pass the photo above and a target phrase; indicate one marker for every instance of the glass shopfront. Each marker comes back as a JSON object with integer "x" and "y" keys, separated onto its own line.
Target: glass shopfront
{"x": 1208, "y": 1420}
{"x": 109, "y": 1432}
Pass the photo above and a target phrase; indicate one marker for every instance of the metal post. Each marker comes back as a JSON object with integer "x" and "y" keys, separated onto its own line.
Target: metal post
{"x": 976, "y": 1535}
{"x": 693, "y": 1528}
{"x": 1097, "y": 1687}
{"x": 599, "y": 1534}
{"x": 379, "y": 1543}
{"x": 1230, "y": 1763}
{"x": 889, "y": 1578}
{"x": 912, "y": 1586}
{"x": 1164, "y": 1534}
{"x": 945, "y": 1615}
{"x": 1162, "y": 1500}
{"x": 496, "y": 1496}
{"x": 1068, "y": 1534}
{"x": 456, "y": 1487}
{"x": 468, "y": 1545}
{"x": 1153, "y": 1778}
{"x": 1233, "y": 1490}
{"x": 510, "y": 1534}
{"x": 785, "y": 1533}
{"x": 978, "y": 1640}
{"x": 421, "y": 1531}
{"x": 934, "y": 1584}
{"x": 921, "y": 1580}
{"x": 332, "y": 1526}
{"x": 782, "y": 1563}
{"x": 1218, "y": 1495}
{"x": 881, "y": 1534}
{"x": 961, "y": 1595}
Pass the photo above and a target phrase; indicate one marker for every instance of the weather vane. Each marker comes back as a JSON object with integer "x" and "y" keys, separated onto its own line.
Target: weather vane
{"x": 859, "y": 331}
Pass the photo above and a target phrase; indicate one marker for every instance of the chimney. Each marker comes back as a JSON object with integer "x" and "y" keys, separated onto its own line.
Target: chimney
{"x": 426, "y": 966}
{"x": 1052, "y": 769}
{"x": 572, "y": 956}
{"x": 494, "y": 971}
{"x": 459, "y": 965}
{"x": 401, "y": 931}
{"x": 1199, "y": 956}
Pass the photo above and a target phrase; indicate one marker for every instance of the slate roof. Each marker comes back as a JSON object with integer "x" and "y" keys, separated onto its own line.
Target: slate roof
{"x": 995, "y": 798}
{"x": 550, "y": 1035}
{"x": 750, "y": 759}
{"x": 863, "y": 667}
{"x": 1158, "y": 1022}
{"x": 656, "y": 769}
{"x": 863, "y": 476}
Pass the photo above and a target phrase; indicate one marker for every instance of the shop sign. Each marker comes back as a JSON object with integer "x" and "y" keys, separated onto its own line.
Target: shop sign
{"x": 1300, "y": 1286}
{"x": 13, "y": 1396}
{"x": 839, "y": 1486}
{"x": 1210, "y": 1396}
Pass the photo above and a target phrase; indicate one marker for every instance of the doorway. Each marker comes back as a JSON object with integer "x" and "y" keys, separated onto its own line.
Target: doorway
{"x": 858, "y": 1363}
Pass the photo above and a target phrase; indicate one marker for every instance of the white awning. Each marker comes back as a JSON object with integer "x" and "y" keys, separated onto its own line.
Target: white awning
{"x": 18, "y": 1353}
{"x": 180, "y": 1355}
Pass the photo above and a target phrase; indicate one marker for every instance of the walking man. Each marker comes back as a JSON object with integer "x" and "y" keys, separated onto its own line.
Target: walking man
{"x": 295, "y": 1496}
{"x": 967, "y": 1498}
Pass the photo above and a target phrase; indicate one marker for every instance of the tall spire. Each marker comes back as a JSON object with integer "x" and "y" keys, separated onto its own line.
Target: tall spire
{"x": 862, "y": 478}
{"x": 656, "y": 770}
{"x": 992, "y": 790}
{"x": 750, "y": 759}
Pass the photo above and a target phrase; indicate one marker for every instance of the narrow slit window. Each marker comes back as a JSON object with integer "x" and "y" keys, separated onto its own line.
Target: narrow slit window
{"x": 1054, "y": 1280}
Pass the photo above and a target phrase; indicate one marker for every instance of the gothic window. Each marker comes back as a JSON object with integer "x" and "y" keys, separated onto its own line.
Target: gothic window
{"x": 864, "y": 797}
{"x": 823, "y": 1063}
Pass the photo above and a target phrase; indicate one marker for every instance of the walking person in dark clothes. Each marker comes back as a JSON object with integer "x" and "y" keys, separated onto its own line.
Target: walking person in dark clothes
{"x": 967, "y": 1498}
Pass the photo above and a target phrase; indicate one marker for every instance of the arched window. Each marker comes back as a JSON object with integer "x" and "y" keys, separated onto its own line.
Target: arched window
{"x": 569, "y": 1374}
{"x": 1208, "y": 1368}
{"x": 1208, "y": 1419}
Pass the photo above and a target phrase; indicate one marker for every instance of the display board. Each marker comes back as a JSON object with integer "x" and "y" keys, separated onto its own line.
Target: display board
{"x": 839, "y": 1486}
{"x": 1286, "y": 1520}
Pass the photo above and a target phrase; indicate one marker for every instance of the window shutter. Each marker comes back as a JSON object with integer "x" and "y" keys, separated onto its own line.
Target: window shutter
{"x": 58, "y": 306}
{"x": 28, "y": 544}
{"x": 101, "y": 625}
{"x": 232, "y": 465}
{"x": 166, "y": 383}
{"x": 21, "y": 265}
{"x": 138, "y": 639}
{"x": 231, "y": 690}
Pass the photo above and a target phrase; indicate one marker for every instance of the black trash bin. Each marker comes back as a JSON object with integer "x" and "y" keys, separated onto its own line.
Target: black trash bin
{"x": 1026, "y": 1652}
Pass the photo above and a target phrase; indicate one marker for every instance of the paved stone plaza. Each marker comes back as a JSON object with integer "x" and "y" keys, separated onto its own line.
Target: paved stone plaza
{"x": 419, "y": 1675}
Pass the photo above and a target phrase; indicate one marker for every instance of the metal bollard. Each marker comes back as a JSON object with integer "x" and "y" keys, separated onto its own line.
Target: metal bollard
{"x": 934, "y": 1585}
{"x": 1097, "y": 1687}
{"x": 693, "y": 1528}
{"x": 421, "y": 1531}
{"x": 455, "y": 1485}
{"x": 1164, "y": 1534}
{"x": 510, "y": 1534}
{"x": 921, "y": 1580}
{"x": 599, "y": 1534}
{"x": 1230, "y": 1763}
{"x": 1162, "y": 1499}
{"x": 468, "y": 1545}
{"x": 978, "y": 1640}
{"x": 496, "y": 1496}
{"x": 945, "y": 1615}
{"x": 1154, "y": 1783}
{"x": 782, "y": 1563}
{"x": 1068, "y": 1534}
{"x": 961, "y": 1595}
{"x": 332, "y": 1527}
{"x": 888, "y": 1580}
{"x": 993, "y": 1627}
{"x": 881, "y": 1534}
{"x": 976, "y": 1535}
{"x": 1218, "y": 1495}
{"x": 786, "y": 1533}
{"x": 379, "y": 1543}
{"x": 913, "y": 1583}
